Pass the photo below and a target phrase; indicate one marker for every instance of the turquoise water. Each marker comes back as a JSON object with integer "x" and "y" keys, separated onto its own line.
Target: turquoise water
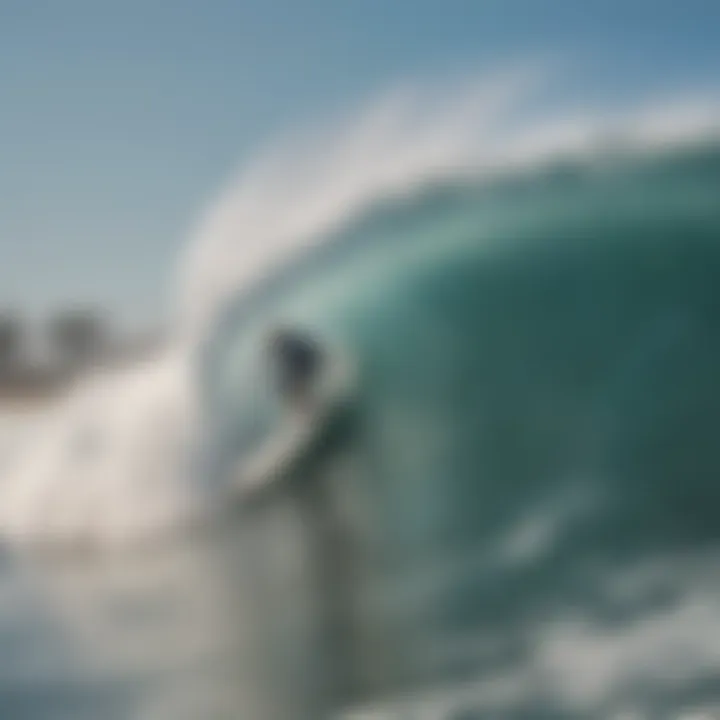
{"x": 516, "y": 517}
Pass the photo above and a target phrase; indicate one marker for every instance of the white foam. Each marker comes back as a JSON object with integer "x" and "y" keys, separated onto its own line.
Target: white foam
{"x": 110, "y": 463}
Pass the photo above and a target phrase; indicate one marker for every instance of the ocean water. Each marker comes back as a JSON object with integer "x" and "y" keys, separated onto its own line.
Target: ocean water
{"x": 514, "y": 516}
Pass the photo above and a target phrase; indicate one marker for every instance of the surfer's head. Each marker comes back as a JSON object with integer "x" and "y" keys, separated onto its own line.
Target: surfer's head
{"x": 296, "y": 359}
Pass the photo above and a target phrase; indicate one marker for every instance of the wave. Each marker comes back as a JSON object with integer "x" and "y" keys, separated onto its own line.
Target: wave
{"x": 116, "y": 461}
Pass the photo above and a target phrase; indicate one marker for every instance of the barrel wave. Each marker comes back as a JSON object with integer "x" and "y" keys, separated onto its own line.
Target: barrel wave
{"x": 526, "y": 488}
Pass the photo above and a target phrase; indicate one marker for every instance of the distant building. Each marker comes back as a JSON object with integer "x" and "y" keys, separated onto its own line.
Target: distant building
{"x": 77, "y": 338}
{"x": 38, "y": 364}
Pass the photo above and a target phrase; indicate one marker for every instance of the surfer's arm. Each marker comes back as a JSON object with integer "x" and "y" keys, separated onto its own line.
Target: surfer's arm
{"x": 259, "y": 475}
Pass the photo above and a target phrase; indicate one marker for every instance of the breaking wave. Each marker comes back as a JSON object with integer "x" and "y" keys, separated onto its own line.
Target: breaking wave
{"x": 116, "y": 460}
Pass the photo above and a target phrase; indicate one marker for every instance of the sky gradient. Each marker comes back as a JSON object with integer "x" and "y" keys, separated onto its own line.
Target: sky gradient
{"x": 120, "y": 120}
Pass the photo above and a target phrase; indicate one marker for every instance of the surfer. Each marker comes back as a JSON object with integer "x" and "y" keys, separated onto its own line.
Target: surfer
{"x": 298, "y": 362}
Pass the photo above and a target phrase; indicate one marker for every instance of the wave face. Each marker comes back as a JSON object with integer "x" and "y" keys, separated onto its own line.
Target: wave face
{"x": 528, "y": 484}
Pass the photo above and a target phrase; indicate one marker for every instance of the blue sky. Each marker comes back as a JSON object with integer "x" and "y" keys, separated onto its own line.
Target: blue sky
{"x": 120, "y": 119}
